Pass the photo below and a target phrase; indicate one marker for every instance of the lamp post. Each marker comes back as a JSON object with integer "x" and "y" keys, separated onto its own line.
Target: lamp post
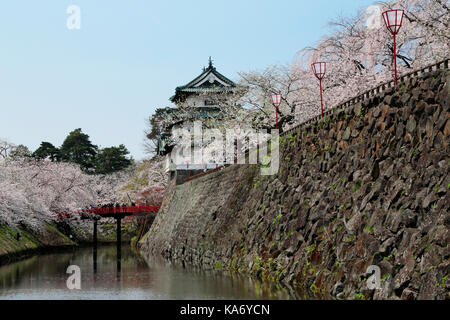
{"x": 393, "y": 21}
{"x": 319, "y": 69}
{"x": 276, "y": 101}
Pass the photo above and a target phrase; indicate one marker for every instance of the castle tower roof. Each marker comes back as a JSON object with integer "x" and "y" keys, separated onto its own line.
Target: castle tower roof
{"x": 209, "y": 81}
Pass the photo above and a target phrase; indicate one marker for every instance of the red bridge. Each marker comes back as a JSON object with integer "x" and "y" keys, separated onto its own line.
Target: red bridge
{"x": 118, "y": 212}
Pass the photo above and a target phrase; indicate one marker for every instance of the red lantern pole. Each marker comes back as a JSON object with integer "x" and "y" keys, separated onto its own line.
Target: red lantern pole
{"x": 276, "y": 101}
{"x": 393, "y": 21}
{"x": 395, "y": 63}
{"x": 321, "y": 99}
{"x": 319, "y": 69}
{"x": 276, "y": 118}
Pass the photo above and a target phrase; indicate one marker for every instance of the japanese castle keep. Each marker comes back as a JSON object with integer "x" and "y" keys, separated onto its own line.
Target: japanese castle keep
{"x": 205, "y": 91}
{"x": 201, "y": 98}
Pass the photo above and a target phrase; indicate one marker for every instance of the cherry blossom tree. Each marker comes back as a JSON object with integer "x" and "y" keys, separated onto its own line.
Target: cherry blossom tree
{"x": 33, "y": 191}
{"x": 147, "y": 183}
{"x": 5, "y": 148}
{"x": 358, "y": 51}
{"x": 359, "y": 56}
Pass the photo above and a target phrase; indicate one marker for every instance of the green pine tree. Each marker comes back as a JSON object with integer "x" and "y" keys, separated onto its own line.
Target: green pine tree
{"x": 112, "y": 159}
{"x": 77, "y": 148}
{"x": 47, "y": 151}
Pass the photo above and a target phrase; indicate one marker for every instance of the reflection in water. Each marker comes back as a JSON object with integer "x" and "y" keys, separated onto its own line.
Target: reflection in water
{"x": 104, "y": 276}
{"x": 94, "y": 258}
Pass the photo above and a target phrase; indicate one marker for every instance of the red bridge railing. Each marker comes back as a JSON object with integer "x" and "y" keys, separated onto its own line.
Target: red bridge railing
{"x": 129, "y": 210}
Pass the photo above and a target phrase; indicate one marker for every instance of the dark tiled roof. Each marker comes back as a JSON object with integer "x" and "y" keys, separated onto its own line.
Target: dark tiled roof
{"x": 206, "y": 87}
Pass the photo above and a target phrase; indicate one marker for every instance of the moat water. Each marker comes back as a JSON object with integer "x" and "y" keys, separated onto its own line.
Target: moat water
{"x": 44, "y": 277}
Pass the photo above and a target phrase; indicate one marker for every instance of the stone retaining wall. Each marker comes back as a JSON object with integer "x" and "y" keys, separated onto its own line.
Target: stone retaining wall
{"x": 368, "y": 185}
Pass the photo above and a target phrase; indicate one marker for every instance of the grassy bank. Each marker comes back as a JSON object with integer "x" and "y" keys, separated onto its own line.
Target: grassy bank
{"x": 54, "y": 237}
{"x": 13, "y": 248}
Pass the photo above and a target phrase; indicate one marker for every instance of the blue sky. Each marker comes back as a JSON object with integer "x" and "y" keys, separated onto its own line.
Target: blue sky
{"x": 126, "y": 60}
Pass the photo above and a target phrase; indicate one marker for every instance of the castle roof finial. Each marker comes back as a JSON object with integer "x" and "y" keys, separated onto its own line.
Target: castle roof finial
{"x": 210, "y": 62}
